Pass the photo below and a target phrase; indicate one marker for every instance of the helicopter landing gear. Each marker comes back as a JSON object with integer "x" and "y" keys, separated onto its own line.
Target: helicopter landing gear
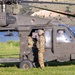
{"x": 26, "y": 64}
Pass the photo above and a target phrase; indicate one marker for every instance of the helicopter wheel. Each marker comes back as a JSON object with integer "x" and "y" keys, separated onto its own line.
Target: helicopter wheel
{"x": 26, "y": 64}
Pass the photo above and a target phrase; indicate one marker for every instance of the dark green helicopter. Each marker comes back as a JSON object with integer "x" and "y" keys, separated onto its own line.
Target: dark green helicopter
{"x": 59, "y": 49}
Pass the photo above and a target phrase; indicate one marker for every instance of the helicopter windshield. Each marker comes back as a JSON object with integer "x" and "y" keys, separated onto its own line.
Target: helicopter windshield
{"x": 72, "y": 30}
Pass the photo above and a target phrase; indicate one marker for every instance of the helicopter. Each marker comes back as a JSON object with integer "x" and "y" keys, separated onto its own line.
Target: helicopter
{"x": 25, "y": 25}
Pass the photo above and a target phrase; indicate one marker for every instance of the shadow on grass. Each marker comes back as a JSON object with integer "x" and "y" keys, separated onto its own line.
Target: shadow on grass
{"x": 54, "y": 63}
{"x": 9, "y": 64}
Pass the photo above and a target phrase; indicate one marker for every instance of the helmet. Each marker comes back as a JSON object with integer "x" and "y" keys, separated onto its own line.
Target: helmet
{"x": 40, "y": 32}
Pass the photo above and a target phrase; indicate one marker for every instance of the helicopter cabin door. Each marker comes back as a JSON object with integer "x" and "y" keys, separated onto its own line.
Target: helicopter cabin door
{"x": 63, "y": 41}
{"x": 48, "y": 46}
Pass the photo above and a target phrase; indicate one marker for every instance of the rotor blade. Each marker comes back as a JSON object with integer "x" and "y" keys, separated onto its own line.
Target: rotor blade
{"x": 56, "y": 11}
{"x": 45, "y": 2}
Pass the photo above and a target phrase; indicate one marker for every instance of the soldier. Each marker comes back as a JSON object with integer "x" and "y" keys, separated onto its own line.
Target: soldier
{"x": 30, "y": 42}
{"x": 41, "y": 47}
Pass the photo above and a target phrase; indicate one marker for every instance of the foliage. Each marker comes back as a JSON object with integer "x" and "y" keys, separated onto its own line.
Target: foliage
{"x": 25, "y": 10}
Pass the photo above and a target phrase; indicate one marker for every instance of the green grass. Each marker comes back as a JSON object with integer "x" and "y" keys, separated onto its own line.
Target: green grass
{"x": 54, "y": 68}
{"x": 9, "y": 49}
{"x": 50, "y": 70}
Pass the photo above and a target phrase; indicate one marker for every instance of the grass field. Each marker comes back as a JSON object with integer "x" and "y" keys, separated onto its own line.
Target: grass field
{"x": 49, "y": 70}
{"x": 11, "y": 48}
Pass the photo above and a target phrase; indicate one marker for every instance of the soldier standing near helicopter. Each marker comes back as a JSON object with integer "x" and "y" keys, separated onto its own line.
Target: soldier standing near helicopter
{"x": 41, "y": 48}
{"x": 30, "y": 42}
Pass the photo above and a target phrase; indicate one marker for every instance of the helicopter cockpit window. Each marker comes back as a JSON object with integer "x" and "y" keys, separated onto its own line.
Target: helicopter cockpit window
{"x": 63, "y": 36}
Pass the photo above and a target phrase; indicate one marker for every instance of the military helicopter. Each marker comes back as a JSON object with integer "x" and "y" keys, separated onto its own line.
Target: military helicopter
{"x": 55, "y": 49}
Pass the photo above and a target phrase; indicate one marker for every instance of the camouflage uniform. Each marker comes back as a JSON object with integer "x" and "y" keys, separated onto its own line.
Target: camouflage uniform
{"x": 41, "y": 48}
{"x": 30, "y": 42}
